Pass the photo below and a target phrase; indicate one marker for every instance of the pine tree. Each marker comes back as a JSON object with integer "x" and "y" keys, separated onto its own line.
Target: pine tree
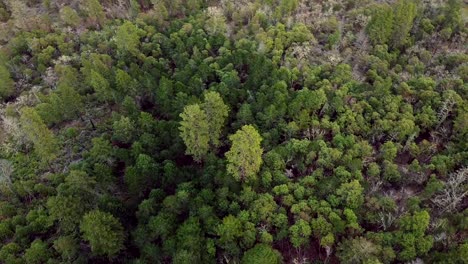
{"x": 404, "y": 14}
{"x": 103, "y": 231}
{"x": 380, "y": 26}
{"x": 45, "y": 144}
{"x": 245, "y": 156}
{"x": 194, "y": 130}
{"x": 216, "y": 113}
{"x": 6, "y": 84}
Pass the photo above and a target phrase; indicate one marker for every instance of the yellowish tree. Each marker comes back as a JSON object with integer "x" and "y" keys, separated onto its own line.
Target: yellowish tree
{"x": 216, "y": 113}
{"x": 194, "y": 131}
{"x": 245, "y": 156}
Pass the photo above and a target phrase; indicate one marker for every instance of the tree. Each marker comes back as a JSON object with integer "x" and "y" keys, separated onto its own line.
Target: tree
{"x": 380, "y": 27}
{"x": 71, "y": 101}
{"x": 69, "y": 16}
{"x": 74, "y": 198}
{"x": 6, "y": 83}
{"x": 216, "y": 113}
{"x": 229, "y": 231}
{"x": 351, "y": 194}
{"x": 101, "y": 86}
{"x": 124, "y": 130}
{"x": 194, "y": 131}
{"x": 300, "y": 233}
{"x": 389, "y": 151}
{"x": 245, "y": 156}
{"x": 127, "y": 39}
{"x": 453, "y": 15}
{"x": 6, "y": 171}
{"x": 37, "y": 253}
{"x": 103, "y": 231}
{"x": 262, "y": 254}
{"x": 101, "y": 151}
{"x": 405, "y": 12}
{"x": 124, "y": 83}
{"x": 454, "y": 191}
{"x": 216, "y": 22}
{"x": 358, "y": 250}
{"x": 94, "y": 11}
{"x": 139, "y": 177}
{"x": 45, "y": 144}
{"x": 67, "y": 246}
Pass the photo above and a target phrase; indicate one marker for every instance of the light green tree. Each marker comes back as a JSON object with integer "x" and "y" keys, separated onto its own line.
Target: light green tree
{"x": 245, "y": 156}
{"x": 101, "y": 87}
{"x": 103, "y": 231}
{"x": 45, "y": 144}
{"x": 127, "y": 38}
{"x": 351, "y": 194}
{"x": 194, "y": 131}
{"x": 300, "y": 233}
{"x": 216, "y": 112}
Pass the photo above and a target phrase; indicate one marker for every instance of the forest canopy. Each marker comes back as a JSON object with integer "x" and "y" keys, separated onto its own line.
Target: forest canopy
{"x": 250, "y": 131}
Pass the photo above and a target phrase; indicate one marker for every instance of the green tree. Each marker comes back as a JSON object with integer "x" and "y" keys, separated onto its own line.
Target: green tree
{"x": 453, "y": 15}
{"x": 101, "y": 87}
{"x": 380, "y": 27}
{"x": 69, "y": 16}
{"x": 124, "y": 83}
{"x": 103, "y": 231}
{"x": 300, "y": 233}
{"x": 6, "y": 83}
{"x": 37, "y": 253}
{"x": 194, "y": 131}
{"x": 405, "y": 13}
{"x": 262, "y": 254}
{"x": 245, "y": 156}
{"x": 101, "y": 151}
{"x": 124, "y": 130}
{"x": 389, "y": 151}
{"x": 127, "y": 39}
{"x": 74, "y": 198}
{"x": 94, "y": 11}
{"x": 216, "y": 113}
{"x": 67, "y": 247}
{"x": 45, "y": 144}
{"x": 351, "y": 194}
{"x": 229, "y": 232}
{"x": 71, "y": 102}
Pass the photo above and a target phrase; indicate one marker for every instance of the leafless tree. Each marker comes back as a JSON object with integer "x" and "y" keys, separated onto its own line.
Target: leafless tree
{"x": 6, "y": 171}
{"x": 454, "y": 192}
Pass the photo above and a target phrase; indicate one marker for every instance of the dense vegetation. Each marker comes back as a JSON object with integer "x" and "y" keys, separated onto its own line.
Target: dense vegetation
{"x": 249, "y": 131}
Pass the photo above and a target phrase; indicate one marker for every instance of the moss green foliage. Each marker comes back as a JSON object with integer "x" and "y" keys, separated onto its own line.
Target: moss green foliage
{"x": 171, "y": 131}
